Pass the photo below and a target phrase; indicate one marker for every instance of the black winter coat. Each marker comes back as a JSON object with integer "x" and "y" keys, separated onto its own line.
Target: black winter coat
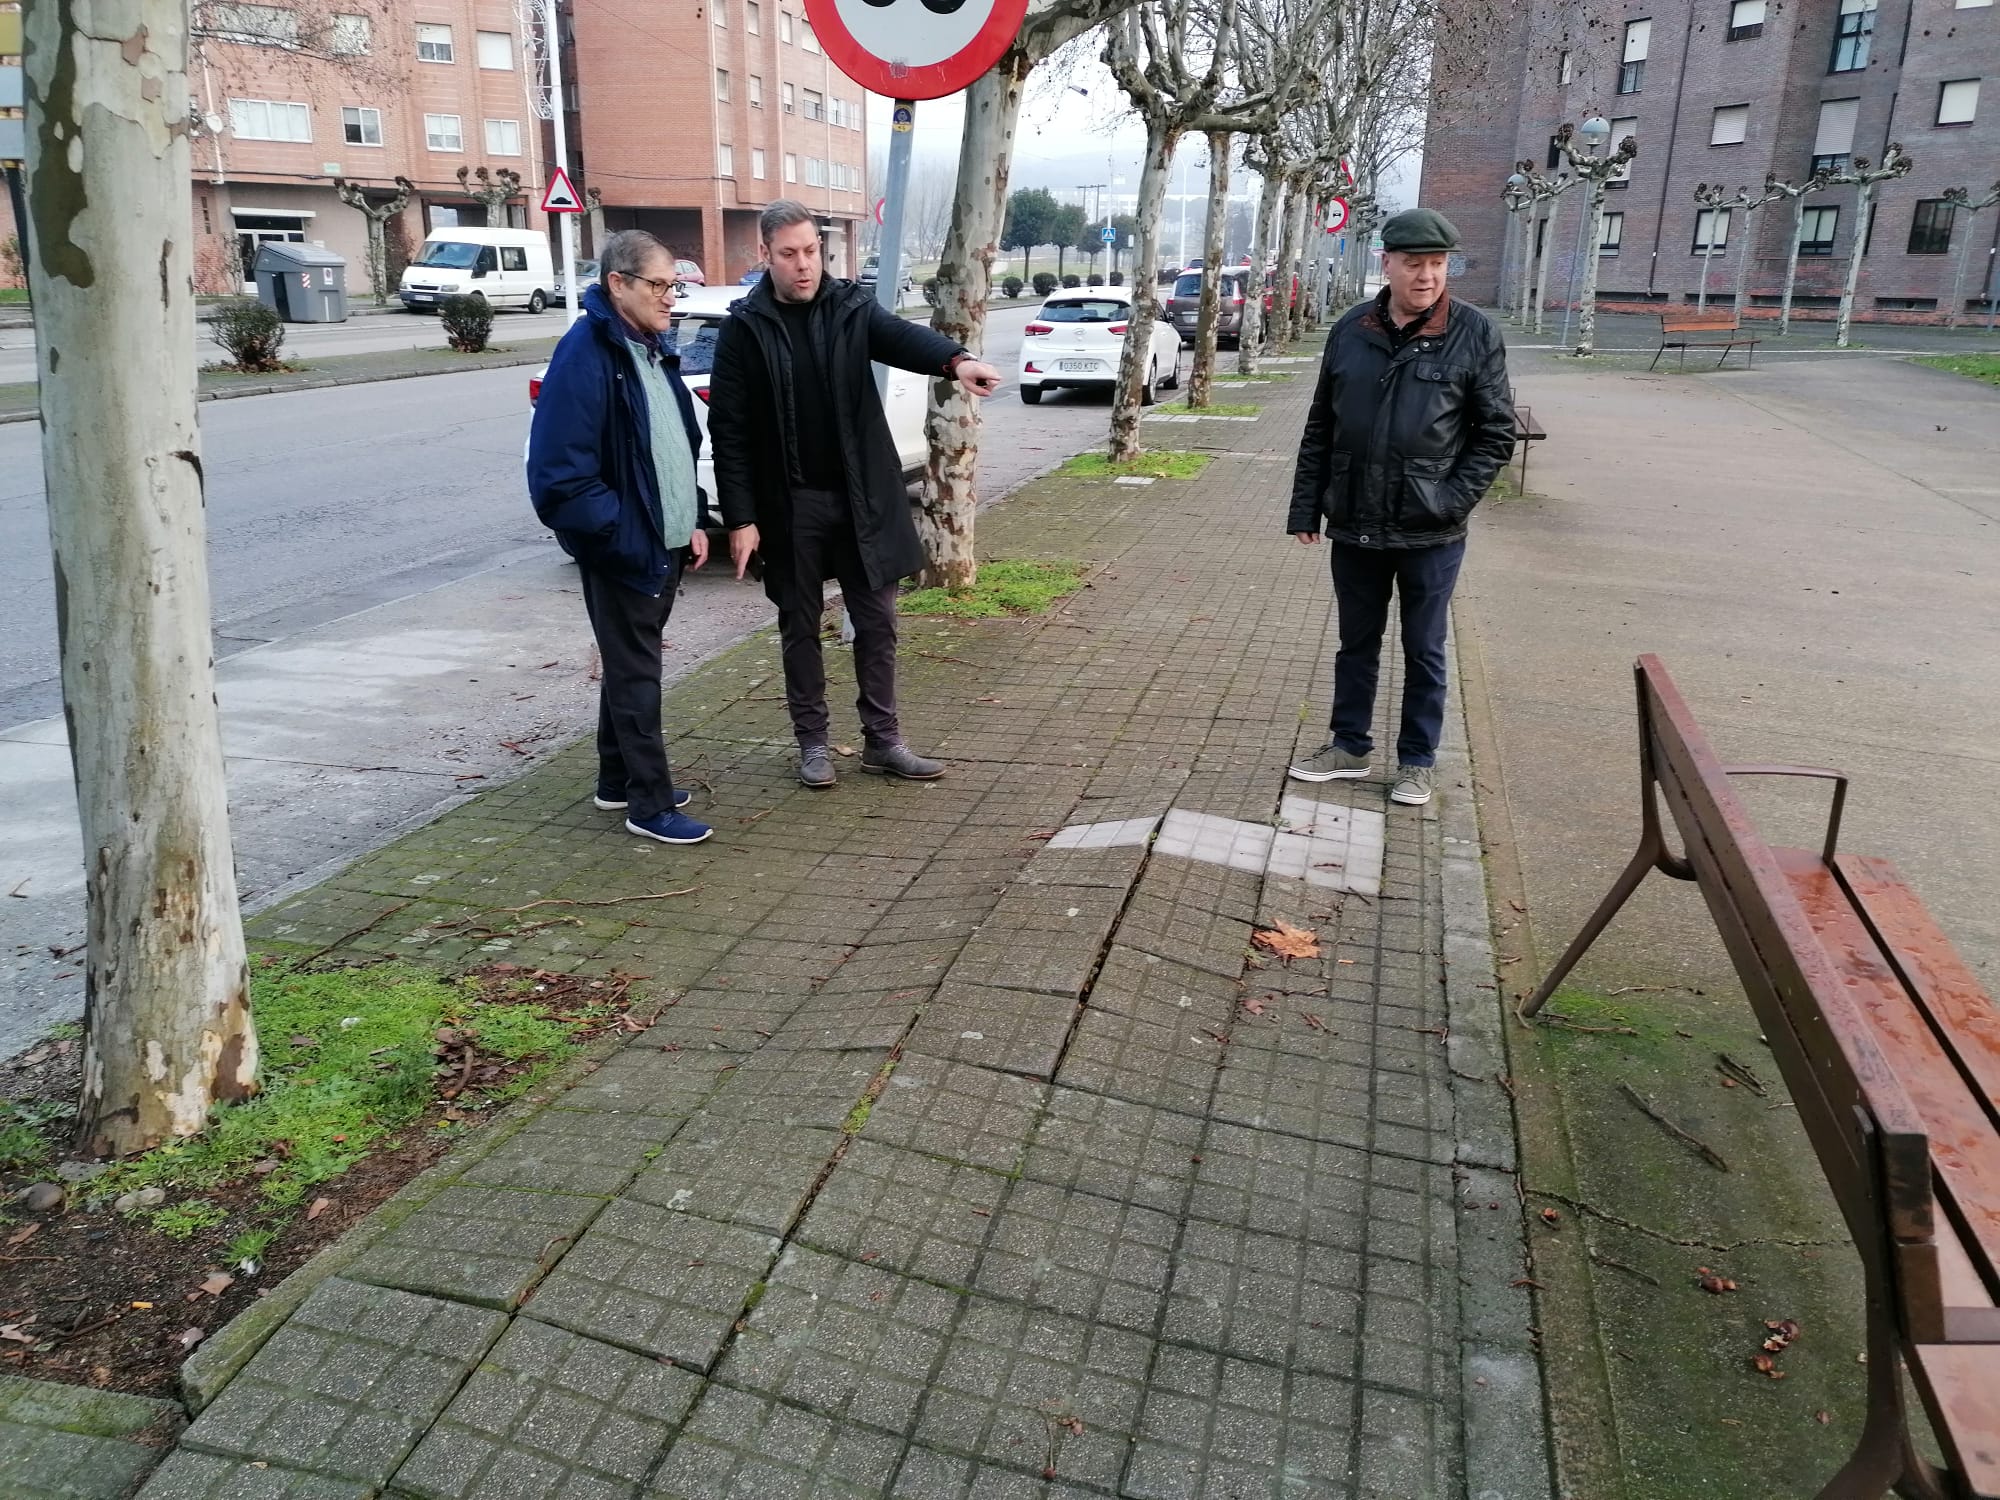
{"x": 1399, "y": 446}
{"x": 752, "y": 426}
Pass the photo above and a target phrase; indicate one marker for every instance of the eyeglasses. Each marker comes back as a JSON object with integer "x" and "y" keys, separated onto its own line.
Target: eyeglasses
{"x": 661, "y": 287}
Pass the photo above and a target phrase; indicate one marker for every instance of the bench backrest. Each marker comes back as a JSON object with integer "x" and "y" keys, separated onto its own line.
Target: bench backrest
{"x": 1870, "y": 1138}
{"x": 1697, "y": 322}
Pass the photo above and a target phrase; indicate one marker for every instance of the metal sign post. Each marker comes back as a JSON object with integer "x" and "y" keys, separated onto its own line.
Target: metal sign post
{"x": 558, "y": 115}
{"x": 889, "y": 258}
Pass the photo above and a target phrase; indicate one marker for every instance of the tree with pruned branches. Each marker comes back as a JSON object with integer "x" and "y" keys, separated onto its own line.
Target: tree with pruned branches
{"x": 378, "y": 212}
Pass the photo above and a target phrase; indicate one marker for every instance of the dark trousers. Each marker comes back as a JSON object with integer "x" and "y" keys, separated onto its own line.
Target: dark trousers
{"x": 823, "y": 547}
{"x": 631, "y": 751}
{"x": 1422, "y": 579}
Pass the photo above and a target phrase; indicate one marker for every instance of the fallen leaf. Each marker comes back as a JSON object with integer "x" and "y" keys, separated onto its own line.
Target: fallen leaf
{"x": 191, "y": 1337}
{"x": 12, "y": 1332}
{"x": 1716, "y": 1285}
{"x": 1783, "y": 1332}
{"x": 25, "y": 1233}
{"x": 1550, "y": 1216}
{"x": 1822, "y": 1417}
{"x": 1766, "y": 1366}
{"x": 1253, "y": 1007}
{"x": 319, "y": 1206}
{"x": 219, "y": 1283}
{"x": 1287, "y": 941}
{"x": 843, "y": 750}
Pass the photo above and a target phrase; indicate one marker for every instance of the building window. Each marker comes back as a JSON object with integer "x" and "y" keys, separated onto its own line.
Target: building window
{"x": 1730, "y": 126}
{"x": 756, "y": 92}
{"x": 254, "y": 25}
{"x": 1930, "y": 227}
{"x": 791, "y": 167}
{"x": 1711, "y": 231}
{"x": 1746, "y": 19}
{"x": 1834, "y": 139}
{"x": 722, "y": 83}
{"x": 269, "y": 120}
{"x": 1958, "y": 101}
{"x": 433, "y": 43}
{"x": 815, "y": 172}
{"x": 809, "y": 40}
{"x": 757, "y": 162}
{"x": 725, "y": 160}
{"x": 1614, "y": 233}
{"x": 1632, "y": 68}
{"x": 1620, "y": 128}
{"x": 720, "y": 10}
{"x": 503, "y": 137}
{"x": 442, "y": 133}
{"x": 572, "y": 95}
{"x": 349, "y": 36}
{"x": 815, "y": 105}
{"x": 753, "y": 18}
{"x": 1817, "y": 227}
{"x": 496, "y": 50}
{"x": 785, "y": 27}
{"x": 1565, "y": 68}
{"x": 786, "y": 97}
{"x": 361, "y": 127}
{"x": 1853, "y": 36}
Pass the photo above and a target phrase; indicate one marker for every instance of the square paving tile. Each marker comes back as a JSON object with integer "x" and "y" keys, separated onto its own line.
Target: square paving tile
{"x": 187, "y": 1475}
{"x": 1094, "y": 1259}
{"x": 787, "y": 1086}
{"x": 957, "y": 1111}
{"x": 900, "y": 1211}
{"x": 644, "y": 1080}
{"x": 1127, "y": 1152}
{"x": 349, "y": 1384}
{"x": 1018, "y": 1382}
{"x": 852, "y": 1022}
{"x": 739, "y": 1445}
{"x": 1274, "y": 1298}
{"x": 1218, "y": 1428}
{"x": 1015, "y": 1031}
{"x": 477, "y": 1244}
{"x": 655, "y": 1281}
{"x": 850, "y": 1341}
{"x": 1167, "y": 1066}
{"x": 1193, "y": 934}
{"x": 43, "y": 1462}
{"x": 551, "y": 1416}
{"x": 1133, "y": 983}
{"x": 574, "y": 1151}
{"x": 1124, "y": 831}
{"x": 1283, "y": 1184}
{"x": 1215, "y": 841}
{"x": 1048, "y": 963}
{"x": 930, "y": 1475}
{"x": 747, "y": 1172}
{"x": 1297, "y": 1095}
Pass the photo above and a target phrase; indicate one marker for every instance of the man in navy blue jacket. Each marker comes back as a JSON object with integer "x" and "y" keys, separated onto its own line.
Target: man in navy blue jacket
{"x": 611, "y": 470}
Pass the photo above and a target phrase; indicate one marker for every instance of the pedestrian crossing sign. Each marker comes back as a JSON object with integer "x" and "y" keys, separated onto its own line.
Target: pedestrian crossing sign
{"x": 561, "y": 196}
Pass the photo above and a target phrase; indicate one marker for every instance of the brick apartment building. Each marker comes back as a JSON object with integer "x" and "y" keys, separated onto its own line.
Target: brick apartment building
{"x": 1724, "y": 91}
{"x": 689, "y": 124}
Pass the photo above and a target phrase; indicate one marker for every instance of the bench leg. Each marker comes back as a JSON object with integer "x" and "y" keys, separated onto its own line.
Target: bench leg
{"x": 1656, "y": 358}
{"x": 1643, "y": 862}
{"x": 1884, "y": 1459}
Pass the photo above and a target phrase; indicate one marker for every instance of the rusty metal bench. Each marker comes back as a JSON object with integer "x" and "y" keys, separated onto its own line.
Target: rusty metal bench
{"x": 1891, "y": 1052}
{"x": 1686, "y": 330}
{"x": 1527, "y": 431}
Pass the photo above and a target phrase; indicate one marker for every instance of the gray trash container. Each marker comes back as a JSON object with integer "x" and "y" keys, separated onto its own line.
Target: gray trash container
{"x": 301, "y": 283}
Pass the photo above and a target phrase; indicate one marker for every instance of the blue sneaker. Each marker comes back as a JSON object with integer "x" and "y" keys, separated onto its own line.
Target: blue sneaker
{"x": 670, "y": 828}
{"x": 607, "y": 801}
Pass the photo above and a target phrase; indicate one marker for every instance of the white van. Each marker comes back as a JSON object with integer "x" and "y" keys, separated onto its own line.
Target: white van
{"x": 508, "y": 267}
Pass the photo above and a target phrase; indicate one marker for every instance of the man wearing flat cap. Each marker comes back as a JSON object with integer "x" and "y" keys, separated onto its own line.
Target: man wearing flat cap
{"x": 1410, "y": 422}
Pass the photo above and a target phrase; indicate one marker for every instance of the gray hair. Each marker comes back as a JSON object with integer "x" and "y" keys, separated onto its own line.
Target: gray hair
{"x": 782, "y": 213}
{"x": 627, "y": 250}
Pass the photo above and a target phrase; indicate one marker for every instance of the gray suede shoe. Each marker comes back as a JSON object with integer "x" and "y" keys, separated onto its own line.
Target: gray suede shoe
{"x": 1329, "y": 763}
{"x": 816, "y": 767}
{"x": 900, "y": 760}
{"x": 1413, "y": 785}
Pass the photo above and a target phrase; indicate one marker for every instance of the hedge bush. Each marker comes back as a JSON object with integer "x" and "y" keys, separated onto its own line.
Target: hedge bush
{"x": 1118, "y": 278}
{"x": 1070, "y": 278}
{"x": 468, "y": 323}
{"x": 251, "y": 334}
{"x": 931, "y": 291}
{"x": 1093, "y": 279}
{"x": 1045, "y": 282}
{"x": 1011, "y": 286}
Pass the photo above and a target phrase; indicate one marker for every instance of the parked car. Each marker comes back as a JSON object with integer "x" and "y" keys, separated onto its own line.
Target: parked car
{"x": 688, "y": 273}
{"x": 871, "y": 272}
{"x": 1077, "y": 338}
{"x": 506, "y": 267}
{"x": 1184, "y": 306}
{"x": 586, "y": 275}
{"x": 698, "y": 318}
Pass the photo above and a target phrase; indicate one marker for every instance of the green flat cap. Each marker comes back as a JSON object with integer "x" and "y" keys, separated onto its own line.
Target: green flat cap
{"x": 1420, "y": 230}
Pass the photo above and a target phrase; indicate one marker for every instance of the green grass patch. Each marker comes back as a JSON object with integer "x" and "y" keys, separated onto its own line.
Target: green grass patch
{"x": 350, "y": 1056}
{"x": 1213, "y": 409}
{"x": 1251, "y": 379}
{"x": 13, "y": 296}
{"x": 1161, "y": 464}
{"x": 1984, "y": 367}
{"x": 1001, "y": 588}
{"x": 25, "y": 1139}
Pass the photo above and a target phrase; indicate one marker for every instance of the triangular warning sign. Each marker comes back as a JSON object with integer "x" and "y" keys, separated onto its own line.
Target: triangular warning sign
{"x": 561, "y": 197}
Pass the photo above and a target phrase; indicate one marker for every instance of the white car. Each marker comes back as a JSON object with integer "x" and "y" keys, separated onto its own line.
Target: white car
{"x": 698, "y": 319}
{"x": 1078, "y": 337}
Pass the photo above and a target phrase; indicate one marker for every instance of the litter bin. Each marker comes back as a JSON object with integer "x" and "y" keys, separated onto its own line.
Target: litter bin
{"x": 301, "y": 283}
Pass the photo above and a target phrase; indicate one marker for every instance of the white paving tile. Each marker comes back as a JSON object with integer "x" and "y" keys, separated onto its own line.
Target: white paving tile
{"x": 1122, "y": 834}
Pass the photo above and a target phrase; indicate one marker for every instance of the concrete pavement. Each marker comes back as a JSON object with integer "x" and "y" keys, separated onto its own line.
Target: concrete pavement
{"x": 976, "y": 1150}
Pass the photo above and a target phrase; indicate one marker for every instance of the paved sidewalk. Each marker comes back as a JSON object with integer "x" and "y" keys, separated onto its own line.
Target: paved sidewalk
{"x": 977, "y": 1151}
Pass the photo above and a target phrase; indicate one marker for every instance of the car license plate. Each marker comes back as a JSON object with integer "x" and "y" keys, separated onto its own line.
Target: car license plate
{"x": 1076, "y": 366}
{"x": 420, "y": 296}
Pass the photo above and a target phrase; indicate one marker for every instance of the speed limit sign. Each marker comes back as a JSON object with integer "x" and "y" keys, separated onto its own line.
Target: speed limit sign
{"x": 915, "y": 49}
{"x": 1336, "y": 216}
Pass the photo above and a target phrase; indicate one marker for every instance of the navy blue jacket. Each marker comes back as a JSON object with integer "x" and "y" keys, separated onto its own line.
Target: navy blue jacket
{"x": 590, "y": 451}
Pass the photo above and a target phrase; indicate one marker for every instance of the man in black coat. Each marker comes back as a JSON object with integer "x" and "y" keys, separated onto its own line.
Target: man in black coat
{"x": 1410, "y": 422}
{"x": 806, "y": 473}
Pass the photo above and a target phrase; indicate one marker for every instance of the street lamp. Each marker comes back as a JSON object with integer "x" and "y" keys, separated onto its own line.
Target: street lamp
{"x": 1596, "y": 170}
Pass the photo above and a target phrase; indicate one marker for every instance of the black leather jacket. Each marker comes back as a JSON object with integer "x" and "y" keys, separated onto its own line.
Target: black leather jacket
{"x": 1401, "y": 443}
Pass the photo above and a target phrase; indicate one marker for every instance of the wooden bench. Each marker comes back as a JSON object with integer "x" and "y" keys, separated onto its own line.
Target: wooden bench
{"x": 1702, "y": 330}
{"x": 1526, "y": 431}
{"x": 1891, "y": 1052}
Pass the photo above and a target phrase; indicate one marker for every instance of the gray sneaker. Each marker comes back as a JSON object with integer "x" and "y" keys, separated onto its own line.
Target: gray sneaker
{"x": 1413, "y": 785}
{"x": 900, "y": 760}
{"x": 1329, "y": 763}
{"x": 816, "y": 766}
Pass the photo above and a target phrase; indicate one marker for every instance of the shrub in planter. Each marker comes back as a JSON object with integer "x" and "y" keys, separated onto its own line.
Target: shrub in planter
{"x": 251, "y": 334}
{"x": 1045, "y": 282}
{"x": 1118, "y": 278}
{"x": 1011, "y": 286}
{"x": 1070, "y": 278}
{"x": 1093, "y": 279}
{"x": 931, "y": 291}
{"x": 468, "y": 323}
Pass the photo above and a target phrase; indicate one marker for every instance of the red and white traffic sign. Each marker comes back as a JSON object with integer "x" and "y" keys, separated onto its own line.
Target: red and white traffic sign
{"x": 915, "y": 49}
{"x": 561, "y": 197}
{"x": 1336, "y": 215}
